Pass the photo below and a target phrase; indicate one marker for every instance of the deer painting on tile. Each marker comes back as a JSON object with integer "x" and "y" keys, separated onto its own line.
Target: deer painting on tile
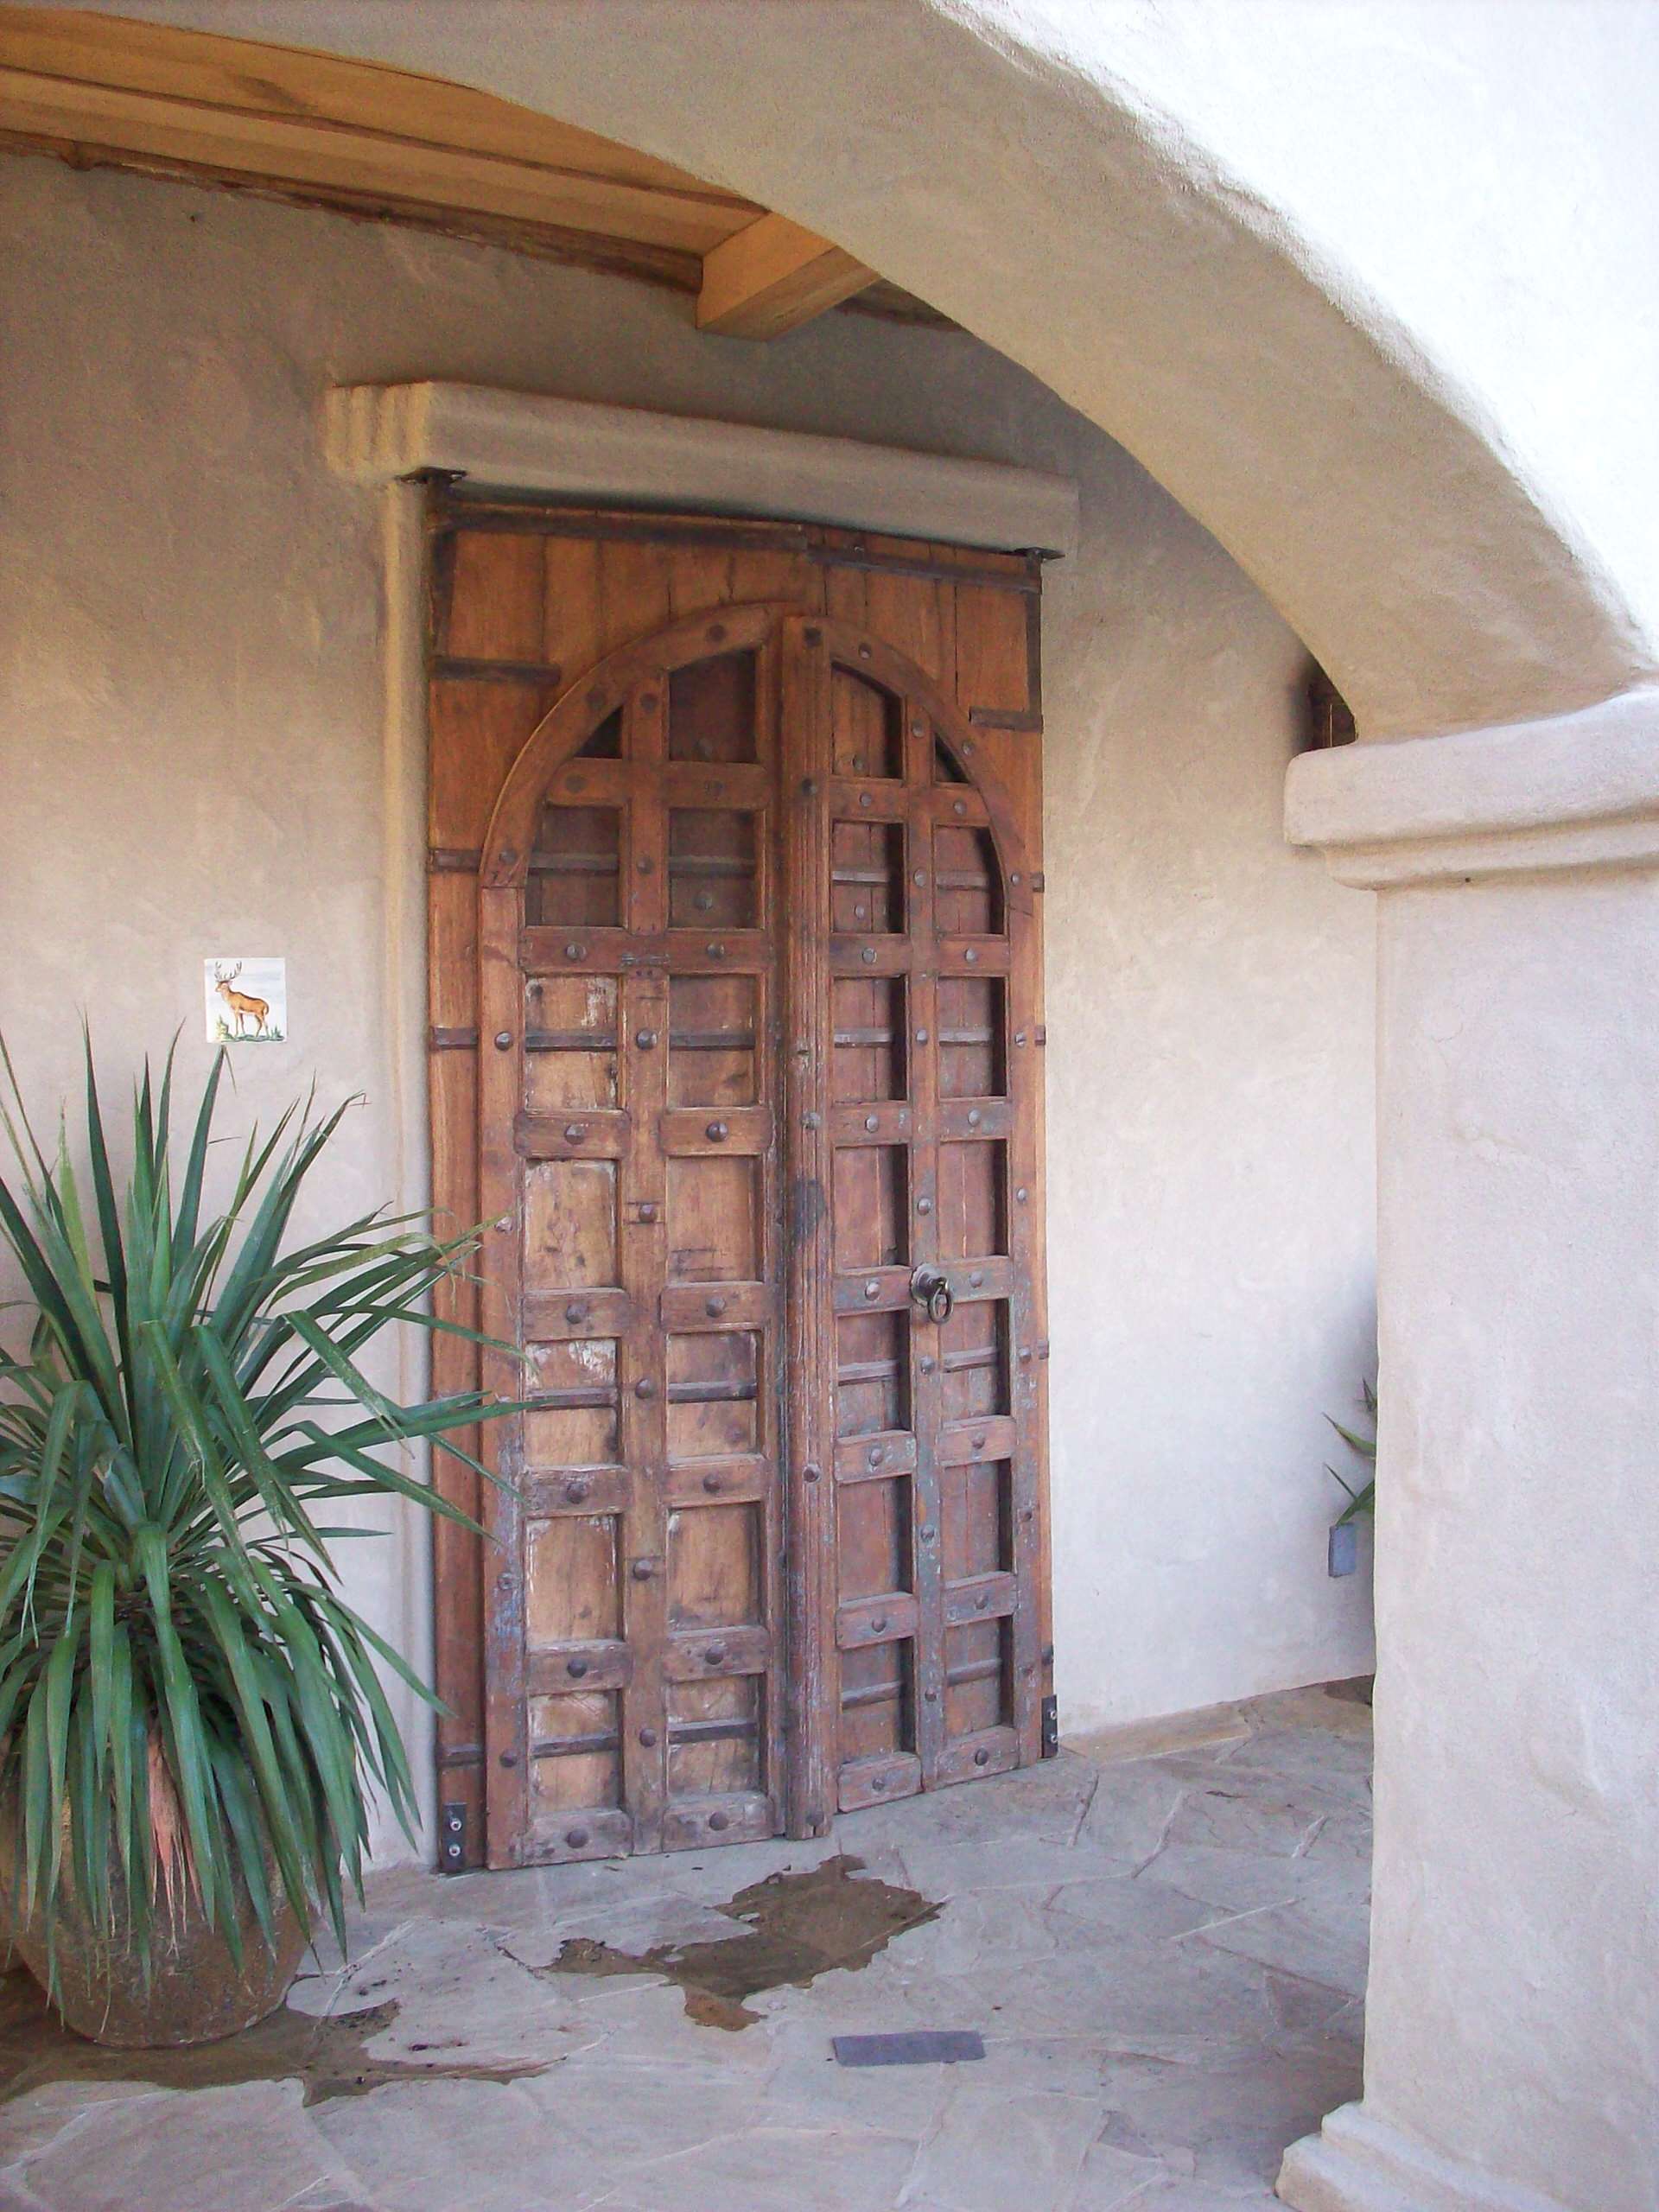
{"x": 242, "y": 1007}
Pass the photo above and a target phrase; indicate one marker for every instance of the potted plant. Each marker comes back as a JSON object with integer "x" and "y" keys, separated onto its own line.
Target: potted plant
{"x": 1344, "y": 1551}
{"x": 191, "y": 1720}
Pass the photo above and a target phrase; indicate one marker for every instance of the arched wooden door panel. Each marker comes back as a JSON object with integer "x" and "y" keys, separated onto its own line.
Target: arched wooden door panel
{"x": 629, "y": 1162}
{"x": 915, "y": 1244}
{"x": 757, "y": 989}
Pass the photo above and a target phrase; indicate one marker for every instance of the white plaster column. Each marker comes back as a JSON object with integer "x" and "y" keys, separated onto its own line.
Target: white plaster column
{"x": 1512, "y": 2051}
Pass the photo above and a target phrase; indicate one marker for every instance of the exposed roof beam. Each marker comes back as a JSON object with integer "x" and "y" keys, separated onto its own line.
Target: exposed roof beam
{"x": 302, "y": 153}
{"x": 289, "y": 117}
{"x": 773, "y": 277}
{"x": 324, "y": 130}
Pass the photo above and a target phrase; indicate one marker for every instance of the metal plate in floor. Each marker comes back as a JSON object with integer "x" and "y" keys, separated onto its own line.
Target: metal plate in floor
{"x": 913, "y": 2047}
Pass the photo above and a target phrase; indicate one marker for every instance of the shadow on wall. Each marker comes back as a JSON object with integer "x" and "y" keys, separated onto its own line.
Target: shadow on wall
{"x": 1327, "y": 718}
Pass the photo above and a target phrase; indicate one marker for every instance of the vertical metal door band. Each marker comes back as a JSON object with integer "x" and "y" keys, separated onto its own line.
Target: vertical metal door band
{"x": 1023, "y": 1211}
{"x": 500, "y": 1185}
{"x": 642, "y": 1236}
{"x": 814, "y": 1687}
{"x": 775, "y": 1739}
{"x": 926, "y": 1335}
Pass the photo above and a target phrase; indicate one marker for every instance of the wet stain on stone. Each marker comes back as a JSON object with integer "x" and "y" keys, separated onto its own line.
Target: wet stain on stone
{"x": 797, "y": 1926}
{"x": 328, "y": 2057}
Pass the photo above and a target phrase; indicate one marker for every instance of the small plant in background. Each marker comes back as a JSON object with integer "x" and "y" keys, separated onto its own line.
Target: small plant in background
{"x": 191, "y": 1718}
{"x": 1344, "y": 1550}
{"x": 1364, "y": 1500}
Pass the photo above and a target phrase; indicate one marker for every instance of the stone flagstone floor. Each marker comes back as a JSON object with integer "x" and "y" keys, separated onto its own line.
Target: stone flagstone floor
{"x": 1165, "y": 1956}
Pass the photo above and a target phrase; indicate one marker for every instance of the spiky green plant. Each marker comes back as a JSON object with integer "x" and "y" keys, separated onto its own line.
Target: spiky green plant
{"x": 185, "y": 1700}
{"x": 1364, "y": 1500}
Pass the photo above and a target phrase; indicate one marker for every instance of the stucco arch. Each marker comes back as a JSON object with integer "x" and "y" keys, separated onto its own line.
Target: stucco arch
{"x": 981, "y": 153}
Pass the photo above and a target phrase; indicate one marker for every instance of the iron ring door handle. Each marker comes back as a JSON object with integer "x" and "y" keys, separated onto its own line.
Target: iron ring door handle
{"x": 931, "y": 1288}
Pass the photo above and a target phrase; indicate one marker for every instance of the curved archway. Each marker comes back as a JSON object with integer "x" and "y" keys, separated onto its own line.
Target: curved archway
{"x": 1056, "y": 216}
{"x": 1045, "y": 205}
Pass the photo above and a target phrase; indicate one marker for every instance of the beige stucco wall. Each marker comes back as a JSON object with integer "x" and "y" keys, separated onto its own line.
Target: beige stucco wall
{"x": 190, "y": 724}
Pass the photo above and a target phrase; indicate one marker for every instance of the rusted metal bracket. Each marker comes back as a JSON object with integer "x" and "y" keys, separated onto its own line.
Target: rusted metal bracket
{"x": 452, "y": 1837}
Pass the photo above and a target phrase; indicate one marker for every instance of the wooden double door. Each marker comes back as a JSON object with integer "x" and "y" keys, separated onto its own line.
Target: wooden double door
{"x": 757, "y": 1119}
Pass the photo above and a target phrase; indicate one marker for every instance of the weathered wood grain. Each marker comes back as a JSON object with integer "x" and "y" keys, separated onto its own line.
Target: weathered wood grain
{"x": 711, "y": 838}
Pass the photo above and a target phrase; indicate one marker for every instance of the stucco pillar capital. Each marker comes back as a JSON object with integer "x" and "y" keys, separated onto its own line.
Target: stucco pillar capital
{"x": 1577, "y": 791}
{"x": 1512, "y": 2011}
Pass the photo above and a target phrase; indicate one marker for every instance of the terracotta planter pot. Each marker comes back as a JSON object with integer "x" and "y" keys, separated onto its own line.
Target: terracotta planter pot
{"x": 193, "y": 1993}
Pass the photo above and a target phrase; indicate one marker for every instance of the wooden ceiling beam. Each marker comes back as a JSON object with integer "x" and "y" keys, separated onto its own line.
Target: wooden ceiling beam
{"x": 323, "y": 130}
{"x": 772, "y": 276}
{"x": 317, "y": 121}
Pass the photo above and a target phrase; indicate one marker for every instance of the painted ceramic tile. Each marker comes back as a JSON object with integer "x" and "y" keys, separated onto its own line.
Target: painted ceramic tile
{"x": 247, "y": 1000}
